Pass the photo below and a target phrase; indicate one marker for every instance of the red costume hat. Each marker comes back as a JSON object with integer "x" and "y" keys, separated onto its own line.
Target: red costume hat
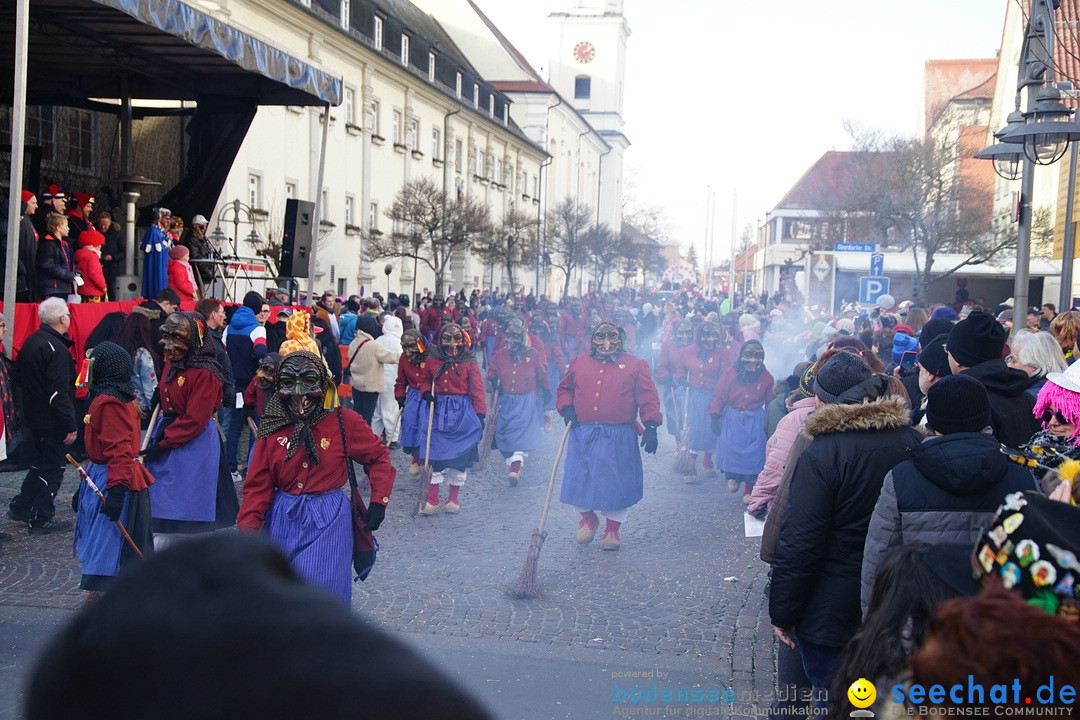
{"x": 91, "y": 238}
{"x": 83, "y": 199}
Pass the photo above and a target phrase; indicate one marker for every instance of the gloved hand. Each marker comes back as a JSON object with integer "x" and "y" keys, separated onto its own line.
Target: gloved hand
{"x": 428, "y": 397}
{"x": 495, "y": 387}
{"x": 401, "y": 401}
{"x": 546, "y": 396}
{"x": 648, "y": 438}
{"x": 114, "y": 502}
{"x": 153, "y": 453}
{"x": 481, "y": 418}
{"x": 570, "y": 415}
{"x": 714, "y": 424}
{"x": 376, "y": 512}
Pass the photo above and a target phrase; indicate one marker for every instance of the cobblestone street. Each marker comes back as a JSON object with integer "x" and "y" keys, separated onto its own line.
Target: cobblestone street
{"x": 685, "y": 586}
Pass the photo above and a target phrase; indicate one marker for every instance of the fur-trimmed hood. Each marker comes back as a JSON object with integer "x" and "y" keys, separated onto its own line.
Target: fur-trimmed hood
{"x": 888, "y": 413}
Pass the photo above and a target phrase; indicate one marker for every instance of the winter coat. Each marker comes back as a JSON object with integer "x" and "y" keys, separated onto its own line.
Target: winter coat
{"x": 144, "y": 378}
{"x": 776, "y": 458}
{"x": 89, "y": 266}
{"x": 55, "y": 268}
{"x": 946, "y": 492}
{"x": 45, "y": 372}
{"x": 836, "y": 483}
{"x": 770, "y": 536}
{"x": 367, "y": 357}
{"x": 391, "y": 340}
{"x": 182, "y": 279}
{"x": 774, "y": 413}
{"x": 1011, "y": 405}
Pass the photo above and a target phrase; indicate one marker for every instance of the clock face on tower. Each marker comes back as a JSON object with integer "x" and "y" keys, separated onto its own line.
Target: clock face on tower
{"x": 584, "y": 52}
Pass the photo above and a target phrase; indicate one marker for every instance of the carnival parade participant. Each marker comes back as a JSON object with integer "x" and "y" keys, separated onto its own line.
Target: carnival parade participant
{"x": 667, "y": 368}
{"x": 192, "y": 490}
{"x": 556, "y": 361}
{"x": 700, "y": 366}
{"x": 602, "y": 396}
{"x": 738, "y": 418}
{"x": 515, "y": 372}
{"x": 572, "y": 330}
{"x": 293, "y": 490}
{"x": 452, "y": 381}
{"x": 407, "y": 389}
{"x": 112, "y": 443}
{"x": 155, "y": 244}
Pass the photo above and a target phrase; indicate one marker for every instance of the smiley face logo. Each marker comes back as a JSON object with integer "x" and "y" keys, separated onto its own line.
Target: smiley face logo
{"x": 862, "y": 693}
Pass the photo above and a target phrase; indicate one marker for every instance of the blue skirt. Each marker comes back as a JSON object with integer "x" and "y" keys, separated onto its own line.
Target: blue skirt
{"x": 455, "y": 434}
{"x": 740, "y": 449}
{"x": 413, "y": 422}
{"x": 186, "y": 479}
{"x": 553, "y": 381}
{"x": 674, "y": 407}
{"x": 315, "y": 533}
{"x": 98, "y": 544}
{"x": 520, "y": 422}
{"x": 603, "y": 467}
{"x": 701, "y": 435}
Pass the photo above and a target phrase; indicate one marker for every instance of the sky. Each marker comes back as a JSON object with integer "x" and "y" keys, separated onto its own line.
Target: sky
{"x": 740, "y": 97}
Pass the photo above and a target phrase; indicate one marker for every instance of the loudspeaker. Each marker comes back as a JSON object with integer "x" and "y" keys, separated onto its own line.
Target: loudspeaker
{"x": 296, "y": 238}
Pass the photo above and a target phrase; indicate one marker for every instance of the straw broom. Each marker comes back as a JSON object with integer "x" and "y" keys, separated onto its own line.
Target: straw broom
{"x": 527, "y": 586}
{"x": 90, "y": 483}
{"x": 390, "y": 437}
{"x": 684, "y": 461}
{"x": 489, "y": 431}
{"x": 425, "y": 472}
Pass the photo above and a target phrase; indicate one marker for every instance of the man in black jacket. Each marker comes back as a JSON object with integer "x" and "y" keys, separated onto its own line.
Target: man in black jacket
{"x": 858, "y": 433}
{"x": 45, "y": 371}
{"x": 975, "y": 349}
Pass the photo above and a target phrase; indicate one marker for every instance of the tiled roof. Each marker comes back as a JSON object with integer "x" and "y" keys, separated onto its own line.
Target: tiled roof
{"x": 826, "y": 178}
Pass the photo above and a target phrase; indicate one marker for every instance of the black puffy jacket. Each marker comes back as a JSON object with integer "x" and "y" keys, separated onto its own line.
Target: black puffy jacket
{"x": 835, "y": 485}
{"x": 45, "y": 372}
{"x": 1010, "y": 404}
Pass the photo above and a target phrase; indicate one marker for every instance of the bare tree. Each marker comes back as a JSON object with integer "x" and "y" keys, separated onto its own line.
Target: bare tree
{"x": 568, "y": 227}
{"x": 512, "y": 244}
{"x": 603, "y": 248}
{"x": 431, "y": 227}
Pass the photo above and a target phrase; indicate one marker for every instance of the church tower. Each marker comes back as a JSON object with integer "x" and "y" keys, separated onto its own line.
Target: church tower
{"x": 589, "y": 71}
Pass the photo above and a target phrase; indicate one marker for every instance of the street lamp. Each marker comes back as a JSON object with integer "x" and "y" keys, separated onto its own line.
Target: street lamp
{"x": 1040, "y": 139}
{"x": 388, "y": 269}
{"x": 234, "y": 211}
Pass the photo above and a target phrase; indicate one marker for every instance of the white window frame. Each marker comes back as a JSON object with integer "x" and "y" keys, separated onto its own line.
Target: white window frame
{"x": 405, "y": 49}
{"x": 431, "y": 66}
{"x": 476, "y": 96}
{"x": 459, "y": 152}
{"x": 412, "y": 137}
{"x": 491, "y": 105}
{"x": 348, "y": 104}
{"x": 436, "y": 142}
{"x": 506, "y": 114}
{"x": 375, "y": 118}
{"x": 345, "y": 11}
{"x": 457, "y": 84}
{"x": 373, "y": 216}
{"x": 254, "y": 189}
{"x": 397, "y": 128}
{"x": 377, "y": 32}
{"x": 290, "y": 189}
{"x": 350, "y": 209}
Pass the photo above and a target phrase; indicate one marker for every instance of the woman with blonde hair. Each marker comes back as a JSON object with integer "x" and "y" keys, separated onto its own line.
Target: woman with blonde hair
{"x": 1065, "y": 328}
{"x": 916, "y": 319}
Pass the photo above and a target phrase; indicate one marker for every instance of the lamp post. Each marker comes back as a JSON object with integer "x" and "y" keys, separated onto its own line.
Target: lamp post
{"x": 234, "y": 211}
{"x": 388, "y": 269}
{"x": 1039, "y": 135}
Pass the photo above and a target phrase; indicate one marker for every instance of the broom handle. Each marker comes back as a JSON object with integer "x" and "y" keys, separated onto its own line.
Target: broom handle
{"x": 551, "y": 480}
{"x": 390, "y": 437}
{"x": 427, "y": 447}
{"x": 86, "y": 477}
{"x": 150, "y": 428}
{"x": 686, "y": 407}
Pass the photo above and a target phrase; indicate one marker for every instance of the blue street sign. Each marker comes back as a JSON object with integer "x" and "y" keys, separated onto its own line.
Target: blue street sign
{"x": 871, "y": 288}
{"x": 877, "y": 264}
{"x": 854, "y": 247}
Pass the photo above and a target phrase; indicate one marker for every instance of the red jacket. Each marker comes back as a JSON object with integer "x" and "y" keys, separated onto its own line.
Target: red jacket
{"x": 180, "y": 279}
{"x": 703, "y": 374}
{"x": 518, "y": 378}
{"x": 734, "y": 394}
{"x": 570, "y": 326}
{"x": 113, "y": 439}
{"x": 270, "y": 470}
{"x": 667, "y": 367}
{"x": 408, "y": 376}
{"x": 465, "y": 379}
{"x": 193, "y": 395}
{"x": 610, "y": 392}
{"x": 88, "y": 264}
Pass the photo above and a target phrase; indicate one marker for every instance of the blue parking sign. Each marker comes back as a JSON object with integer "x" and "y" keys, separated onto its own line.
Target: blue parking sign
{"x": 871, "y": 288}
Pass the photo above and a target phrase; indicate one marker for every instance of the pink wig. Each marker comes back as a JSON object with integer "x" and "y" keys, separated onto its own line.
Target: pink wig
{"x": 1064, "y": 401}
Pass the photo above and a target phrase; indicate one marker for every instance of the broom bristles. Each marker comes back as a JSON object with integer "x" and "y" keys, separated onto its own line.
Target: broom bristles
{"x": 425, "y": 481}
{"x": 684, "y": 461}
{"x": 527, "y": 586}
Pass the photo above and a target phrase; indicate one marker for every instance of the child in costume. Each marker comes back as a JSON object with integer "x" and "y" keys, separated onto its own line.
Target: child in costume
{"x": 515, "y": 372}
{"x": 407, "y": 389}
{"x": 699, "y": 369}
{"x": 452, "y": 381}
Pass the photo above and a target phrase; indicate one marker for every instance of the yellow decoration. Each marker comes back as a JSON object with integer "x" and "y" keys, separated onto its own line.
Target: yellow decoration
{"x": 180, "y": 381}
{"x": 86, "y": 419}
{"x": 298, "y": 334}
{"x": 324, "y": 443}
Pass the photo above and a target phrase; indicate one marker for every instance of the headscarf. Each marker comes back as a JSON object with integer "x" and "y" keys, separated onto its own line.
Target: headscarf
{"x": 110, "y": 372}
{"x": 201, "y": 354}
{"x": 279, "y": 413}
{"x": 298, "y": 335}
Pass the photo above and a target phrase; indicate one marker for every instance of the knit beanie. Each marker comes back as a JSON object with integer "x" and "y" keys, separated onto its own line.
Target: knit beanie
{"x": 886, "y": 302}
{"x": 944, "y": 313}
{"x": 934, "y": 358}
{"x": 253, "y": 301}
{"x": 91, "y": 237}
{"x": 957, "y": 403}
{"x": 976, "y": 339}
{"x": 179, "y": 252}
{"x": 846, "y": 326}
{"x": 842, "y": 373}
{"x": 806, "y": 382}
{"x": 903, "y": 343}
{"x": 933, "y": 328}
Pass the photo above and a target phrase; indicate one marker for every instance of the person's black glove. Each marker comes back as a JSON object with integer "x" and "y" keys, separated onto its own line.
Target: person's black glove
{"x": 648, "y": 438}
{"x": 401, "y": 401}
{"x": 570, "y": 415}
{"x": 481, "y": 419}
{"x": 428, "y": 397}
{"x": 495, "y": 385}
{"x": 546, "y": 396}
{"x": 376, "y": 512}
{"x": 363, "y": 560}
{"x": 114, "y": 503}
{"x": 714, "y": 424}
{"x": 153, "y": 453}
